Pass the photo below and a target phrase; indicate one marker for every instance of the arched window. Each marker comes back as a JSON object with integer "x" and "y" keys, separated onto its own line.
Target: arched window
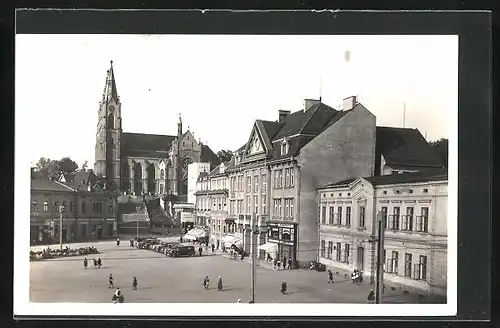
{"x": 111, "y": 121}
{"x": 125, "y": 170}
{"x": 151, "y": 171}
{"x": 138, "y": 171}
{"x": 162, "y": 174}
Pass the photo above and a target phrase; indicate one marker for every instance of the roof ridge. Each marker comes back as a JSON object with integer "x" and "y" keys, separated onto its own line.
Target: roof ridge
{"x": 63, "y": 185}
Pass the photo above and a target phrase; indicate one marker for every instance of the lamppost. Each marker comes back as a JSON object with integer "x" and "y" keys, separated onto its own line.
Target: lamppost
{"x": 137, "y": 208}
{"x": 61, "y": 210}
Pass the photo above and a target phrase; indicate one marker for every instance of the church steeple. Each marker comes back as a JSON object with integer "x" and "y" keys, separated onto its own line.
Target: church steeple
{"x": 179, "y": 127}
{"x": 110, "y": 91}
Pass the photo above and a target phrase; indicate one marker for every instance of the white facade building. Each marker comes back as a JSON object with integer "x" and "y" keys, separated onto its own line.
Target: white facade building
{"x": 194, "y": 170}
{"x": 414, "y": 207}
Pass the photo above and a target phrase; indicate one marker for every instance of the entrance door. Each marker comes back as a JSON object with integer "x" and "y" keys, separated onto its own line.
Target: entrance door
{"x": 361, "y": 258}
{"x": 99, "y": 231}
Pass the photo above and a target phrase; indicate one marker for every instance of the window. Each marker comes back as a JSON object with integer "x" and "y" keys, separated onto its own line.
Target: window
{"x": 408, "y": 261}
{"x": 280, "y": 210}
{"x": 292, "y": 213}
{"x": 45, "y": 206}
{"x": 384, "y": 215}
{"x": 263, "y": 204}
{"x": 322, "y": 248}
{"x": 393, "y": 223}
{"x": 421, "y": 269}
{"x": 287, "y": 208}
{"x": 292, "y": 177}
{"x": 256, "y": 184}
{"x": 426, "y": 190}
{"x": 339, "y": 214}
{"x": 56, "y": 207}
{"x": 280, "y": 183}
{"x": 71, "y": 207}
{"x": 34, "y": 207}
{"x": 384, "y": 192}
{"x": 330, "y": 250}
{"x": 284, "y": 148}
{"x": 338, "y": 253}
{"x": 248, "y": 205}
{"x": 423, "y": 220}
{"x": 110, "y": 208}
{"x": 407, "y": 220}
{"x": 64, "y": 206}
{"x": 348, "y": 216}
{"x": 264, "y": 183}
{"x": 332, "y": 216}
{"x": 161, "y": 188}
{"x": 323, "y": 215}
{"x": 347, "y": 249}
{"x": 392, "y": 263}
{"x": 276, "y": 179}
{"x": 162, "y": 174}
{"x": 362, "y": 217}
{"x": 84, "y": 208}
{"x": 256, "y": 204}
{"x": 249, "y": 185}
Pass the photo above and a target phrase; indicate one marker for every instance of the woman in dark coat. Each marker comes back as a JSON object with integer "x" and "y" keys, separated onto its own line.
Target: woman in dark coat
{"x": 283, "y": 287}
{"x": 219, "y": 284}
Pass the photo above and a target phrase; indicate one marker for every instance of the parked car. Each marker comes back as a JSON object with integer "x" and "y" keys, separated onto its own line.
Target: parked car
{"x": 182, "y": 250}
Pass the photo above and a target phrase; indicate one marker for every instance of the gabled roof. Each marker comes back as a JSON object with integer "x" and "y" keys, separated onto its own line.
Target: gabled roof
{"x": 208, "y": 156}
{"x": 404, "y": 146}
{"x": 39, "y": 183}
{"x": 149, "y": 145}
{"x": 413, "y": 177}
{"x": 216, "y": 171}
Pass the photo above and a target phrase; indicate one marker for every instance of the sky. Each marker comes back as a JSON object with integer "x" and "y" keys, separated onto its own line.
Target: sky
{"x": 222, "y": 84}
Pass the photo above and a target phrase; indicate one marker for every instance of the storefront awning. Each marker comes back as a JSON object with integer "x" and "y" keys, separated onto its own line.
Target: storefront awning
{"x": 269, "y": 247}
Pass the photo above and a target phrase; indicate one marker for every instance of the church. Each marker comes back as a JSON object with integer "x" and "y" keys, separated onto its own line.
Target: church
{"x": 139, "y": 164}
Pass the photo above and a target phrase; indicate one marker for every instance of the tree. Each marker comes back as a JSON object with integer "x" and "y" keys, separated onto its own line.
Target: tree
{"x": 441, "y": 148}
{"x": 225, "y": 155}
{"x": 67, "y": 165}
{"x": 54, "y": 168}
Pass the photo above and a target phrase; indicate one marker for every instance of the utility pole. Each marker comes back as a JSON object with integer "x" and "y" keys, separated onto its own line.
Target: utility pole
{"x": 137, "y": 221}
{"x": 254, "y": 262}
{"x": 380, "y": 258}
{"x": 61, "y": 209}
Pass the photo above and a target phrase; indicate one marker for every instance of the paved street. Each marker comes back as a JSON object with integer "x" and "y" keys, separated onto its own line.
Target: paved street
{"x": 178, "y": 280}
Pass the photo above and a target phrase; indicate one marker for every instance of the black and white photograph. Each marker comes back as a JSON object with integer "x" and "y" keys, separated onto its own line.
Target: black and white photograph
{"x": 281, "y": 172}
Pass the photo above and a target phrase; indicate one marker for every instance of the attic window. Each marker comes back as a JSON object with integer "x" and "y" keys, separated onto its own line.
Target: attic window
{"x": 384, "y": 192}
{"x": 348, "y": 194}
{"x": 284, "y": 147}
{"x": 396, "y": 191}
{"x": 331, "y": 195}
{"x": 340, "y": 194}
{"x": 426, "y": 190}
{"x": 410, "y": 191}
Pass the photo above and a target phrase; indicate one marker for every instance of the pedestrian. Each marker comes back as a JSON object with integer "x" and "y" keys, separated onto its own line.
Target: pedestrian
{"x": 99, "y": 263}
{"x": 134, "y": 284}
{"x": 219, "y": 284}
{"x": 85, "y": 263}
{"x": 284, "y": 262}
{"x": 275, "y": 263}
{"x": 206, "y": 282}
{"x": 283, "y": 287}
{"x": 111, "y": 281}
{"x": 289, "y": 264}
{"x": 200, "y": 250}
{"x": 213, "y": 248}
{"x": 95, "y": 263}
{"x": 330, "y": 277}
{"x": 371, "y": 296}
{"x": 117, "y": 241}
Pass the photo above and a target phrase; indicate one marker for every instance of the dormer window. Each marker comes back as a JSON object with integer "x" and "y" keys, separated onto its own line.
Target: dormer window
{"x": 284, "y": 147}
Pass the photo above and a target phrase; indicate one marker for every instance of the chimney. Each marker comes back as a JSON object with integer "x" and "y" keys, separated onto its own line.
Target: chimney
{"x": 282, "y": 114}
{"x": 349, "y": 103}
{"x": 308, "y": 103}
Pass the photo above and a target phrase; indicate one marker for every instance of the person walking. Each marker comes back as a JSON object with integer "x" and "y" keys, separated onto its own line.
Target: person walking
{"x": 95, "y": 263}
{"x": 200, "y": 250}
{"x": 85, "y": 263}
{"x": 284, "y": 262}
{"x": 134, "y": 284}
{"x": 371, "y": 296}
{"x": 117, "y": 241}
{"x": 219, "y": 284}
{"x": 206, "y": 282}
{"x": 111, "y": 285}
{"x": 290, "y": 264}
{"x": 213, "y": 248}
{"x": 99, "y": 263}
{"x": 283, "y": 287}
{"x": 330, "y": 277}
{"x": 275, "y": 263}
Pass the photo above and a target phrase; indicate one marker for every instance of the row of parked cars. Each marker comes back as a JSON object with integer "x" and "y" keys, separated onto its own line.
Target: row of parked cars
{"x": 170, "y": 248}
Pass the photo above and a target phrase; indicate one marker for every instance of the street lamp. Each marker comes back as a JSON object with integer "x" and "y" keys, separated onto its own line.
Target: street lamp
{"x": 61, "y": 210}
{"x": 137, "y": 208}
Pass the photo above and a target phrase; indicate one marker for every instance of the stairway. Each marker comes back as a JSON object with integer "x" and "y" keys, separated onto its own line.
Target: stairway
{"x": 157, "y": 215}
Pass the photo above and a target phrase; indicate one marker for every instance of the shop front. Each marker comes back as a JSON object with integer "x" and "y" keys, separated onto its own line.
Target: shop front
{"x": 285, "y": 236}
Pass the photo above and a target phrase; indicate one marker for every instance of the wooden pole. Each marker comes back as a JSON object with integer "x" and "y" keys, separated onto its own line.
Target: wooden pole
{"x": 380, "y": 259}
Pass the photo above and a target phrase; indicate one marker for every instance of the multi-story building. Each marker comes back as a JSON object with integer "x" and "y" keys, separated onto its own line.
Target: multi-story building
{"x": 275, "y": 175}
{"x": 88, "y": 209}
{"x": 413, "y": 207}
{"x": 194, "y": 170}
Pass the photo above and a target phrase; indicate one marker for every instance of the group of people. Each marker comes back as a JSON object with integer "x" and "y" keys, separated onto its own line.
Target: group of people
{"x": 286, "y": 264}
{"x": 206, "y": 283}
{"x": 97, "y": 263}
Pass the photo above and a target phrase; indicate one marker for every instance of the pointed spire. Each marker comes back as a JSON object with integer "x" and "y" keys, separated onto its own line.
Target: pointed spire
{"x": 110, "y": 91}
{"x": 179, "y": 127}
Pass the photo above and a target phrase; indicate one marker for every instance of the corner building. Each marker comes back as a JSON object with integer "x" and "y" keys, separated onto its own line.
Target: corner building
{"x": 276, "y": 173}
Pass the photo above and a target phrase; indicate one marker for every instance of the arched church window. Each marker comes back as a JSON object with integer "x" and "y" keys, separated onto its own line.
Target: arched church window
{"x": 162, "y": 174}
{"x": 111, "y": 121}
{"x": 138, "y": 171}
{"x": 151, "y": 172}
{"x": 125, "y": 170}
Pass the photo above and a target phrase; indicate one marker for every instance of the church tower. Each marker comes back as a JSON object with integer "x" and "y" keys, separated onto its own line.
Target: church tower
{"x": 109, "y": 130}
